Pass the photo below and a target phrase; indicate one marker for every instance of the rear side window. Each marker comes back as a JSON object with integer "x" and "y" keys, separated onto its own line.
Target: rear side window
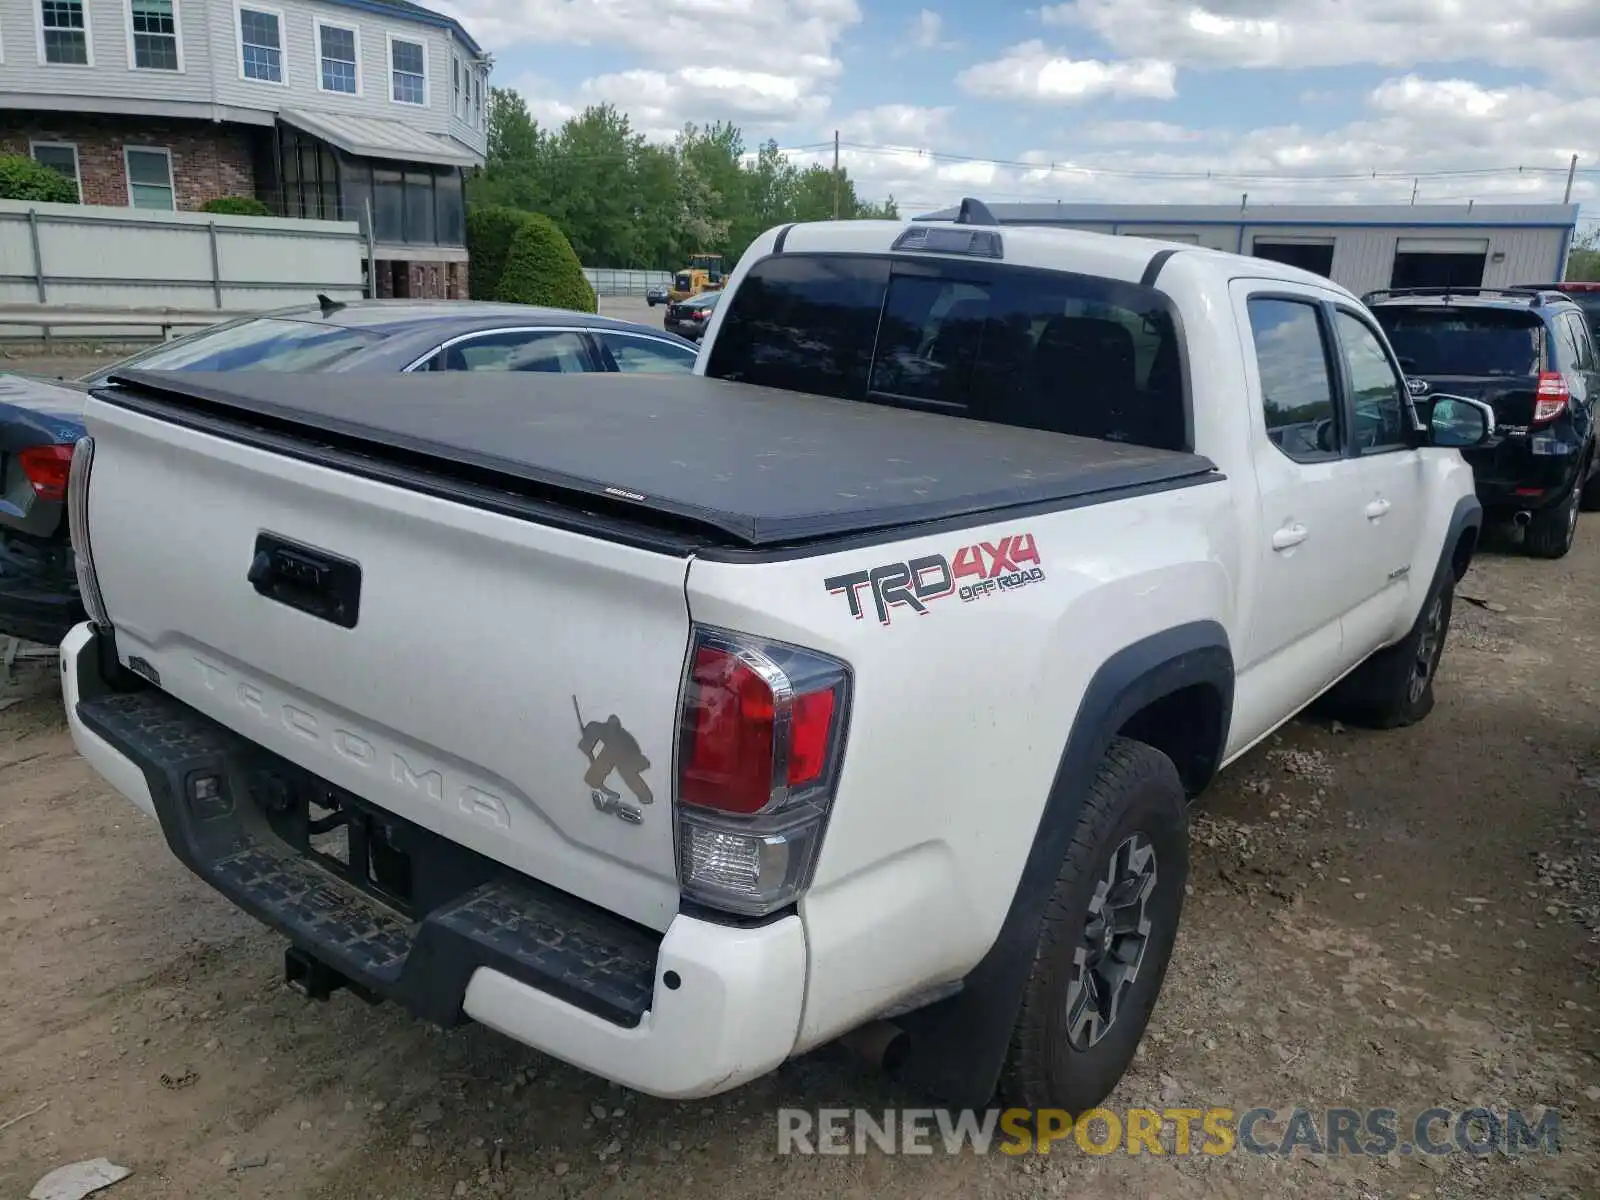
{"x": 1041, "y": 350}
{"x": 1441, "y": 340}
{"x": 1590, "y": 303}
{"x": 1566, "y": 343}
{"x": 1296, "y": 381}
{"x": 1576, "y": 332}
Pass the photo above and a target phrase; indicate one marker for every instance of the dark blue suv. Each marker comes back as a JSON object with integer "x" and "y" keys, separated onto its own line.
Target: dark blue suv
{"x": 1529, "y": 354}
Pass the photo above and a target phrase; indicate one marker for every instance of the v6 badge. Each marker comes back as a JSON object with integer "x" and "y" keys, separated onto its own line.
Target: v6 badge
{"x": 613, "y": 752}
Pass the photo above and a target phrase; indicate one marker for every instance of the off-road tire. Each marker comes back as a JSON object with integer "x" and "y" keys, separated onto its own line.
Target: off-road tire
{"x": 1136, "y": 791}
{"x": 1551, "y": 532}
{"x": 1394, "y": 687}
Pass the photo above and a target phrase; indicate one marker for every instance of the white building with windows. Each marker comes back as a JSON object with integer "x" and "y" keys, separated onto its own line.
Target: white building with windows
{"x": 362, "y": 110}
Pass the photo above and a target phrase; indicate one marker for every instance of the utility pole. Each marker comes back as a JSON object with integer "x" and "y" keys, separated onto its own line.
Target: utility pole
{"x": 1415, "y": 183}
{"x": 1572, "y": 170}
{"x": 835, "y": 174}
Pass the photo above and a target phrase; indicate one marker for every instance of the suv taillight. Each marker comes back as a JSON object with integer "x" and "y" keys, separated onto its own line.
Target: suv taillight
{"x": 78, "y": 529}
{"x": 46, "y": 468}
{"x": 1551, "y": 397}
{"x": 760, "y": 744}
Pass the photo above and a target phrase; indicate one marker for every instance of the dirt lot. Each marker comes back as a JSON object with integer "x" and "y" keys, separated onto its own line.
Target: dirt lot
{"x": 1400, "y": 920}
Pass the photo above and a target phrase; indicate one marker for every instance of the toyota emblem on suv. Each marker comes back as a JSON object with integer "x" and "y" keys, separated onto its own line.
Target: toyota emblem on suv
{"x": 1417, "y": 387}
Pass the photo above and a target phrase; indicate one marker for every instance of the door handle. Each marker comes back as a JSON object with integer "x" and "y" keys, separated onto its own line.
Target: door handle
{"x": 1376, "y": 509}
{"x": 1288, "y": 537}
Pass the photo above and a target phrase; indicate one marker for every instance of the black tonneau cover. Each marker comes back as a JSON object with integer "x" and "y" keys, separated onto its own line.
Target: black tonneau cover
{"x": 759, "y": 466}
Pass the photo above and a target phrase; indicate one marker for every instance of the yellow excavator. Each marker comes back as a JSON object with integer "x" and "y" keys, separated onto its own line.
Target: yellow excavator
{"x": 703, "y": 274}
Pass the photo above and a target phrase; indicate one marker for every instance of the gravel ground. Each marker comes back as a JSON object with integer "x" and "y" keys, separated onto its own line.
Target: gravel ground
{"x": 1394, "y": 920}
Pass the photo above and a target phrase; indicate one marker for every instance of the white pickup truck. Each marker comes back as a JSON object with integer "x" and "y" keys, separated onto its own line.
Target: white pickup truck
{"x": 675, "y": 726}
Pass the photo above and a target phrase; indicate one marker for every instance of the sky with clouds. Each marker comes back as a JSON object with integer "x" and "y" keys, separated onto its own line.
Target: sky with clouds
{"x": 1111, "y": 100}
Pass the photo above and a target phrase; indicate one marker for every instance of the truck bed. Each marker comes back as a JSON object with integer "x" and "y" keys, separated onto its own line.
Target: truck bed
{"x": 739, "y": 465}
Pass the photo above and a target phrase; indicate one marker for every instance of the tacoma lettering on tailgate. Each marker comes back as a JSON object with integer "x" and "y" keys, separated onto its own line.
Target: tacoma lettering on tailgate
{"x": 972, "y": 573}
{"x": 416, "y": 776}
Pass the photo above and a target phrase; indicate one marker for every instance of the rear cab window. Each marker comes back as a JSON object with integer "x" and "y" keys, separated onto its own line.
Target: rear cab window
{"x": 1036, "y": 349}
{"x": 1466, "y": 340}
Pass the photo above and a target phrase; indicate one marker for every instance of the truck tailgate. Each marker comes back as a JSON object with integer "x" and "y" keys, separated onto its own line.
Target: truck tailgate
{"x": 482, "y": 668}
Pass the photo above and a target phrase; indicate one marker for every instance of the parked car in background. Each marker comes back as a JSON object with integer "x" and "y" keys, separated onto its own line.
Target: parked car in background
{"x": 688, "y": 318}
{"x": 1529, "y": 353}
{"x": 656, "y": 295}
{"x": 1585, "y": 295}
{"x": 41, "y": 419}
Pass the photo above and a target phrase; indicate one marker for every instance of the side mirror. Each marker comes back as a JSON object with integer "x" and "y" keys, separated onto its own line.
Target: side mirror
{"x": 1325, "y": 436}
{"x": 1459, "y": 421}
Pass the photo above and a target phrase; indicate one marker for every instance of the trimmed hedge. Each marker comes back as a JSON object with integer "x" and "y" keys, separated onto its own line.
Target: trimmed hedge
{"x": 23, "y": 179}
{"x": 490, "y": 229}
{"x": 236, "y": 206}
{"x": 540, "y": 268}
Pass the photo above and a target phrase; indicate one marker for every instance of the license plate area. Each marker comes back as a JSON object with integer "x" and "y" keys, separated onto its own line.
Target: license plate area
{"x": 355, "y": 841}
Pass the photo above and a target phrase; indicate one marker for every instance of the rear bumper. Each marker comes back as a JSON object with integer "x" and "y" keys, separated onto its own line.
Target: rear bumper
{"x": 702, "y": 1009}
{"x": 38, "y": 597}
{"x": 1511, "y": 476}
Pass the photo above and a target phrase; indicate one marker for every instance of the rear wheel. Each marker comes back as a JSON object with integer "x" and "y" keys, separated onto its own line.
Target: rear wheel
{"x": 1106, "y": 936}
{"x": 1395, "y": 686}
{"x": 1550, "y": 533}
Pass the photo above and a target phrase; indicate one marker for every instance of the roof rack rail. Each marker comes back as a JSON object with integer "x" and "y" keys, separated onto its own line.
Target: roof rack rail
{"x": 1533, "y": 295}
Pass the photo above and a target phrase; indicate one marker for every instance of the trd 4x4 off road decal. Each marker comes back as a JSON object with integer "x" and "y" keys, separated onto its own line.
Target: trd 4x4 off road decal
{"x": 985, "y": 569}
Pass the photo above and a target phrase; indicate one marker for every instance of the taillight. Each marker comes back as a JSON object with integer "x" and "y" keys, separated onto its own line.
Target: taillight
{"x": 1551, "y": 397}
{"x": 47, "y": 468}
{"x": 78, "y": 529}
{"x": 760, "y": 744}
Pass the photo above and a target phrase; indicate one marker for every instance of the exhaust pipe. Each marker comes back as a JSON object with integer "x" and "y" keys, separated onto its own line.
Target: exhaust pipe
{"x": 881, "y": 1045}
{"x": 1522, "y": 518}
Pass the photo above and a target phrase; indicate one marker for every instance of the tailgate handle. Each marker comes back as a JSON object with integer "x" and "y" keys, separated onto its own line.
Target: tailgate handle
{"x": 315, "y": 582}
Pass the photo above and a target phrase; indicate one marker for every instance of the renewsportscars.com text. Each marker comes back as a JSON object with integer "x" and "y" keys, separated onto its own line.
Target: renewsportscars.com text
{"x": 1373, "y": 1132}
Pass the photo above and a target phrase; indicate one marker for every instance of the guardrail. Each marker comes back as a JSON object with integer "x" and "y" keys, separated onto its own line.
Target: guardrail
{"x": 70, "y": 316}
{"x": 173, "y": 265}
{"x": 625, "y": 281}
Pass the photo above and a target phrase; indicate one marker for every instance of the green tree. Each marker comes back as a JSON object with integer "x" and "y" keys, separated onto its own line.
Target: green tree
{"x": 599, "y": 151}
{"x": 490, "y": 230}
{"x": 23, "y": 179}
{"x": 623, "y": 201}
{"x": 1583, "y": 260}
{"x": 513, "y": 134}
{"x": 541, "y": 268}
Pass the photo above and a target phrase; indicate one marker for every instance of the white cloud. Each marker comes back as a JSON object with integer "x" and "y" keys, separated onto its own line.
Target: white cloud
{"x": 765, "y": 62}
{"x": 927, "y": 31}
{"x": 793, "y": 37}
{"x": 1142, "y": 133}
{"x": 1031, "y": 71}
{"x": 1413, "y": 128}
{"x": 544, "y": 105}
{"x": 896, "y": 124}
{"x": 658, "y": 103}
{"x": 1319, "y": 33}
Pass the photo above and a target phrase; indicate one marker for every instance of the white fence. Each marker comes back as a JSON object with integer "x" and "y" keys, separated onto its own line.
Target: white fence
{"x": 97, "y": 258}
{"x": 625, "y": 281}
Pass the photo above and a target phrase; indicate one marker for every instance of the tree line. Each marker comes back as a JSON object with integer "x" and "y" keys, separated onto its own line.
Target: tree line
{"x": 624, "y": 201}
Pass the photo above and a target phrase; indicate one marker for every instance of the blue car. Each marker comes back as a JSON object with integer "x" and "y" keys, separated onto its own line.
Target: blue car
{"x": 41, "y": 419}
